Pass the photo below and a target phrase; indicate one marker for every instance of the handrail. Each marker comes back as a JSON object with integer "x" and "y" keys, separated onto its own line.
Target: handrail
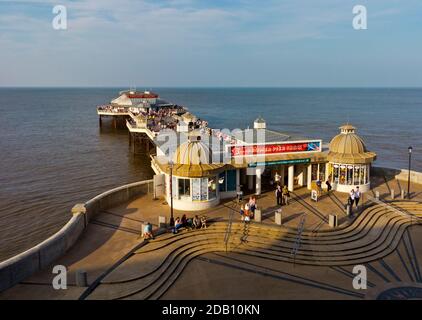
{"x": 298, "y": 239}
{"x": 229, "y": 227}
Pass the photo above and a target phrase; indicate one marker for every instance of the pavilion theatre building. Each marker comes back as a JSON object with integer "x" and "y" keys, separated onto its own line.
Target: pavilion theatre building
{"x": 202, "y": 169}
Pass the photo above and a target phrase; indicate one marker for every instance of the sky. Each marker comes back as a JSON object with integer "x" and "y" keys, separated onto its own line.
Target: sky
{"x": 211, "y": 43}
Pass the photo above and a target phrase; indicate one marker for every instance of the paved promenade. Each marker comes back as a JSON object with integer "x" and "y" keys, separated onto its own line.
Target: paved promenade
{"x": 258, "y": 258}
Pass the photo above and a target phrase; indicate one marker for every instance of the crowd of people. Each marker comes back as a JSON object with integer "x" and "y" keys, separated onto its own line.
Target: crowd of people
{"x": 222, "y": 136}
{"x": 111, "y": 108}
{"x": 189, "y": 223}
{"x": 196, "y": 222}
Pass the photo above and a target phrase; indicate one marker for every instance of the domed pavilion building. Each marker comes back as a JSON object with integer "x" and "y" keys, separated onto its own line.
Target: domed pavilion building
{"x": 196, "y": 182}
{"x": 197, "y": 170}
{"x": 349, "y": 161}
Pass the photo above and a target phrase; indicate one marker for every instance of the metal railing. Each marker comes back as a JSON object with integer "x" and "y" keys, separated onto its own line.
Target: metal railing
{"x": 229, "y": 228}
{"x": 298, "y": 239}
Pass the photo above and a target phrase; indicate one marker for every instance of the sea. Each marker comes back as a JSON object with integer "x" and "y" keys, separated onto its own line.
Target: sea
{"x": 53, "y": 153}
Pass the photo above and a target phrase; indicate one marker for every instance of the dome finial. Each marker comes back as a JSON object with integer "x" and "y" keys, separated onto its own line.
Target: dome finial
{"x": 259, "y": 123}
{"x": 347, "y": 128}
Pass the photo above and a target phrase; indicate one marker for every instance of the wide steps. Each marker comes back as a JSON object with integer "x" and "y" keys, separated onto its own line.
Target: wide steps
{"x": 154, "y": 267}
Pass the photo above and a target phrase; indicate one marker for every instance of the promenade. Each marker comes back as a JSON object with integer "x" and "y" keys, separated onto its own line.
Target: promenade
{"x": 113, "y": 238}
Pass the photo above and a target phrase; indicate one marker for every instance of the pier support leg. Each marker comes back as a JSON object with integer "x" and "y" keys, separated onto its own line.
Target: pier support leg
{"x": 135, "y": 137}
{"x": 100, "y": 121}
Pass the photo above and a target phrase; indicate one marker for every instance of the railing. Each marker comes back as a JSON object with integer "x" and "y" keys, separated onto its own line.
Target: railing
{"x": 298, "y": 239}
{"x": 113, "y": 110}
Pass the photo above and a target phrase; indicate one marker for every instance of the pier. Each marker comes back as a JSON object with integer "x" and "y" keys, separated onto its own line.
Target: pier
{"x": 209, "y": 165}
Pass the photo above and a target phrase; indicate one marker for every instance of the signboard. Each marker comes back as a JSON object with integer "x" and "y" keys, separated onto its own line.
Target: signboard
{"x": 272, "y": 163}
{"x": 275, "y": 148}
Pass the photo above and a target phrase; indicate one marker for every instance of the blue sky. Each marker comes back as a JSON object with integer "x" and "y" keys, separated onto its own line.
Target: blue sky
{"x": 289, "y": 43}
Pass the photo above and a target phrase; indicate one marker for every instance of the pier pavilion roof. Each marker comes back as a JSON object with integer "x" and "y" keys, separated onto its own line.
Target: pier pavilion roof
{"x": 190, "y": 170}
{"x": 268, "y": 136}
{"x": 347, "y": 147}
{"x": 192, "y": 159}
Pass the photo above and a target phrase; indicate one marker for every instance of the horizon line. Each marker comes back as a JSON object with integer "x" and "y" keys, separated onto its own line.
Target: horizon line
{"x": 211, "y": 87}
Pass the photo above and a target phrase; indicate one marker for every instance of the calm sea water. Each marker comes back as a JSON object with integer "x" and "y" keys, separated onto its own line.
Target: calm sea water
{"x": 53, "y": 154}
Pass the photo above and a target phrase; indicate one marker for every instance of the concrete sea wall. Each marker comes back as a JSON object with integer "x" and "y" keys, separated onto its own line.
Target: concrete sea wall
{"x": 21, "y": 266}
{"x": 399, "y": 174}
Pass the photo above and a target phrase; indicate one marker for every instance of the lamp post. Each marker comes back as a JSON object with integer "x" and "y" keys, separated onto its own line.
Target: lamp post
{"x": 408, "y": 177}
{"x": 171, "y": 194}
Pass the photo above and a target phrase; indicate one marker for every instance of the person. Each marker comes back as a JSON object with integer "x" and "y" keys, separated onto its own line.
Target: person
{"x": 189, "y": 223}
{"x": 247, "y": 219}
{"x": 319, "y": 186}
{"x": 196, "y": 222}
{"x": 286, "y": 195}
{"x": 246, "y": 211}
{"x": 184, "y": 220}
{"x": 278, "y": 195}
{"x": 357, "y": 196}
{"x": 148, "y": 231}
{"x": 328, "y": 184}
{"x": 177, "y": 225}
{"x": 203, "y": 222}
{"x": 242, "y": 212}
{"x": 351, "y": 199}
{"x": 252, "y": 204}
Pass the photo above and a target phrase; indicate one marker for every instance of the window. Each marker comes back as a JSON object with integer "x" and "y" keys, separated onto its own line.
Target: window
{"x": 184, "y": 187}
{"x": 314, "y": 172}
{"x": 342, "y": 176}
{"x": 322, "y": 172}
{"x": 356, "y": 175}
{"x": 231, "y": 180}
{"x": 196, "y": 189}
{"x": 349, "y": 175}
{"x": 222, "y": 182}
{"x": 212, "y": 188}
{"x": 227, "y": 181}
{"x": 335, "y": 173}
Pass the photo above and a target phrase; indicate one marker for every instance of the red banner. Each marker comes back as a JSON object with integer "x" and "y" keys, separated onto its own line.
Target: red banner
{"x": 269, "y": 149}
